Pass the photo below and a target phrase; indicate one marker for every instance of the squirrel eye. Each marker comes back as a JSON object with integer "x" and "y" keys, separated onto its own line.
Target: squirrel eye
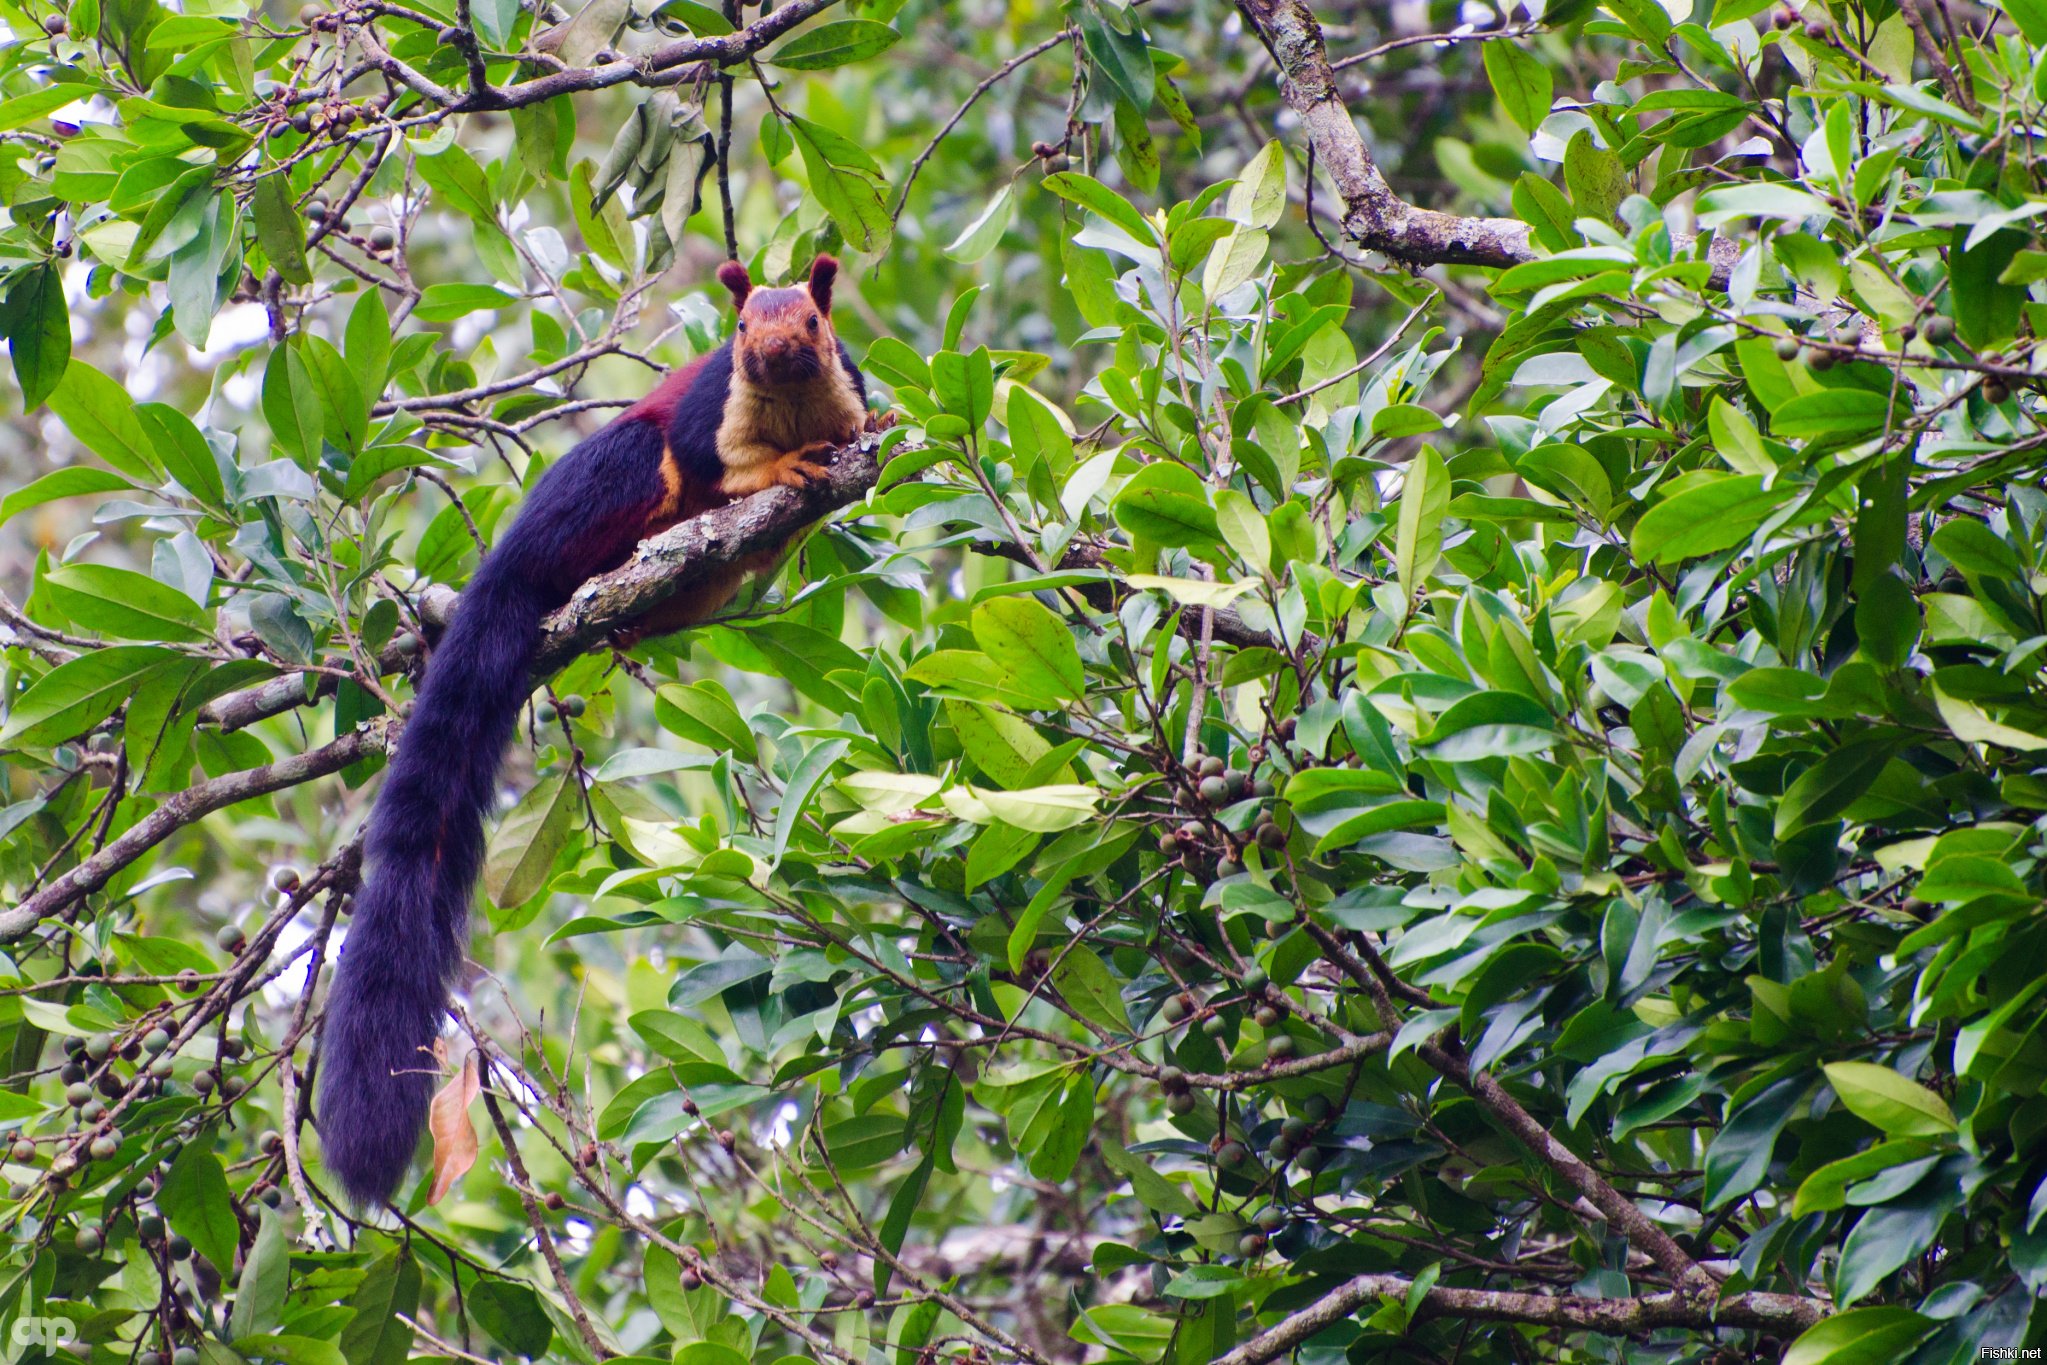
{"x": 813, "y": 322}
{"x": 742, "y": 324}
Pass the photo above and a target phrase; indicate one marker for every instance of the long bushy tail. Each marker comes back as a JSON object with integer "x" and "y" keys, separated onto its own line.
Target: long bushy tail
{"x": 424, "y": 850}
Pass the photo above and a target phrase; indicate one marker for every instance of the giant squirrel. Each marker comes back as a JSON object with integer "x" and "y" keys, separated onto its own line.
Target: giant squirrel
{"x": 766, "y": 408}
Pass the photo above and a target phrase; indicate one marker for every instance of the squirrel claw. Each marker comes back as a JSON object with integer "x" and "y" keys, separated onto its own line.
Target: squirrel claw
{"x": 879, "y": 422}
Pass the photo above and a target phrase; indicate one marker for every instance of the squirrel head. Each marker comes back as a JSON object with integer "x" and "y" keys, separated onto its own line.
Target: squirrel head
{"x": 785, "y": 335}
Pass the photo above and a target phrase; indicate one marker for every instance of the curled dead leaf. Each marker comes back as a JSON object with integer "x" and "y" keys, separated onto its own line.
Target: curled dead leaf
{"x": 454, "y": 1135}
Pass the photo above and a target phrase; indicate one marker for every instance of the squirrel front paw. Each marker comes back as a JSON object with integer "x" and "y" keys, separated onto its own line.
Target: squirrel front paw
{"x": 882, "y": 421}
{"x": 807, "y": 464}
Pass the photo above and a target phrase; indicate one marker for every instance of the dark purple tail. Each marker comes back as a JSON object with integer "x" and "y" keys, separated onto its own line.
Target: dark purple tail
{"x": 424, "y": 850}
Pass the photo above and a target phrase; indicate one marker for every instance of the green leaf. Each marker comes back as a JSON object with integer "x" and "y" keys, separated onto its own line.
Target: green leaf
{"x": 1860, "y": 1336}
{"x": 981, "y": 236}
{"x": 1705, "y": 519}
{"x": 1418, "y": 536}
{"x": 1900, "y": 1107}
{"x": 1167, "y": 504}
{"x": 523, "y": 851}
{"x": 1030, "y": 644}
{"x": 1830, "y": 786}
{"x": 1124, "y": 57}
{"x": 847, "y": 182}
{"x": 100, "y": 414}
{"x": 834, "y": 44}
{"x": 38, "y": 333}
{"x": 1090, "y": 990}
{"x": 125, "y": 604}
{"x": 196, "y": 1203}
{"x": 280, "y": 230}
{"x": 1258, "y": 199}
{"x": 185, "y": 454}
{"x": 1092, "y": 195}
{"x": 77, "y": 695}
{"x": 1833, "y": 414}
{"x": 1521, "y": 81}
{"x": 513, "y": 1315}
{"x": 379, "y": 1333}
{"x": 291, "y": 404}
{"x": 266, "y": 1274}
{"x": 72, "y": 482}
{"x": 447, "y": 302}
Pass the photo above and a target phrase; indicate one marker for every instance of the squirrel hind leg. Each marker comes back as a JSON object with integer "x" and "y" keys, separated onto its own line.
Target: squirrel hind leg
{"x": 692, "y": 606}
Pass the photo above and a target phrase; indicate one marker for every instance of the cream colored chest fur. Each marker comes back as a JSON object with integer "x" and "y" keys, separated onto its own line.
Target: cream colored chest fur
{"x": 777, "y": 419}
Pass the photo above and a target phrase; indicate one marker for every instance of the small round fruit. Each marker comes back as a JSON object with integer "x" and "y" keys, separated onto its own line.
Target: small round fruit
{"x": 24, "y": 1150}
{"x": 1181, "y": 1102}
{"x": 272, "y": 1197}
{"x": 1270, "y": 1219}
{"x": 407, "y": 644}
{"x": 104, "y": 1146}
{"x": 285, "y": 879}
{"x": 234, "y": 1086}
{"x": 383, "y": 238}
{"x": 1172, "y": 1079}
{"x": 1294, "y": 1127}
{"x": 180, "y": 1249}
{"x": 1190, "y": 832}
{"x": 1288, "y": 726}
{"x": 1252, "y": 1244}
{"x": 188, "y": 980}
{"x": 92, "y": 1111}
{"x": 74, "y": 1048}
{"x": 1996, "y": 391}
{"x": 1816, "y": 28}
{"x": 1312, "y": 1159}
{"x": 310, "y": 14}
{"x": 545, "y": 714}
{"x": 1232, "y": 1154}
{"x": 204, "y": 1082}
{"x": 89, "y": 1238}
{"x": 156, "y": 1040}
{"x": 1227, "y": 867}
{"x": 573, "y": 706}
{"x": 301, "y": 122}
{"x": 555, "y": 1200}
{"x": 1214, "y": 790}
{"x": 1280, "y": 1048}
{"x": 1210, "y": 766}
{"x": 1316, "y": 1108}
{"x": 1169, "y": 845}
{"x": 1215, "y": 1026}
{"x": 55, "y": 25}
{"x": 1788, "y": 348}
{"x": 269, "y": 1142}
{"x": 150, "y": 1227}
{"x": 1265, "y": 1016}
{"x": 1263, "y": 789}
{"x": 1271, "y": 837}
{"x": 232, "y": 1048}
{"x": 1282, "y": 1149}
{"x": 160, "y": 1068}
{"x": 1174, "y": 1010}
{"x": 99, "y": 1047}
{"x": 1255, "y": 981}
{"x": 71, "y": 1073}
{"x": 1821, "y": 361}
{"x": 317, "y": 210}
{"x": 78, "y": 1094}
{"x": 1940, "y": 330}
{"x": 111, "y": 1085}
{"x": 185, "y": 1355}
{"x": 231, "y": 937}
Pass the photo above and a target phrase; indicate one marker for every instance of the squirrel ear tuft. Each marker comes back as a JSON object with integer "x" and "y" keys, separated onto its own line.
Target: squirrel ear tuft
{"x": 733, "y": 276}
{"x": 823, "y": 271}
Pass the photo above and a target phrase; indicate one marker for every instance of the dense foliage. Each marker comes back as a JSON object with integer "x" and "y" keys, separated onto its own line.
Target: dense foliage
{"x": 1356, "y": 783}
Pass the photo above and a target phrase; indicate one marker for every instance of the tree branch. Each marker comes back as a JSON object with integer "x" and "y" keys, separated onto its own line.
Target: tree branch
{"x": 1785, "y": 1313}
{"x": 1374, "y": 216}
{"x": 180, "y": 810}
{"x": 648, "y": 69}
